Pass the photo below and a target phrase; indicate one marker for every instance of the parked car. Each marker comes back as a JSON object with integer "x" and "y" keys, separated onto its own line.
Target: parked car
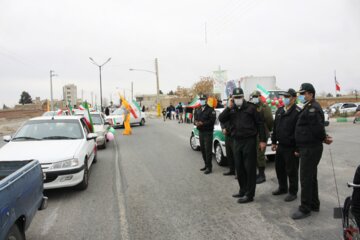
{"x": 21, "y": 196}
{"x": 56, "y": 113}
{"x": 343, "y": 107}
{"x": 219, "y": 142}
{"x": 116, "y": 118}
{"x": 101, "y": 128}
{"x": 63, "y": 145}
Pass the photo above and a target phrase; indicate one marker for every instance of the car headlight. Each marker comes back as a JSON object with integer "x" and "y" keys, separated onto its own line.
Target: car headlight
{"x": 65, "y": 164}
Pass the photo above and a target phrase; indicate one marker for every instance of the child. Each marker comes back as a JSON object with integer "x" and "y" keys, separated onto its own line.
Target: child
{"x": 164, "y": 113}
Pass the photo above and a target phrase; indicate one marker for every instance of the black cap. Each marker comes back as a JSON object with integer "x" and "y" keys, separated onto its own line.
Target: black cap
{"x": 238, "y": 92}
{"x": 307, "y": 87}
{"x": 289, "y": 93}
{"x": 203, "y": 96}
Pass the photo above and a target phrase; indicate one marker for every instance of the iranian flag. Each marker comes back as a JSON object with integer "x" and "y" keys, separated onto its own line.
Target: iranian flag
{"x": 264, "y": 93}
{"x": 87, "y": 116}
{"x": 337, "y": 85}
{"x": 81, "y": 107}
{"x": 59, "y": 112}
{"x": 195, "y": 103}
{"x": 69, "y": 108}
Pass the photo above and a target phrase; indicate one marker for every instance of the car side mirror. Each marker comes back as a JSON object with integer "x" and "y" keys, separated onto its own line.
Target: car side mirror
{"x": 7, "y": 138}
{"x": 91, "y": 136}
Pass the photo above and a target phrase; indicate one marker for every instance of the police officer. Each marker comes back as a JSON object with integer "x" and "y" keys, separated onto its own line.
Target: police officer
{"x": 309, "y": 136}
{"x": 267, "y": 117}
{"x": 246, "y": 124}
{"x": 226, "y": 129}
{"x": 205, "y": 117}
{"x": 283, "y": 142}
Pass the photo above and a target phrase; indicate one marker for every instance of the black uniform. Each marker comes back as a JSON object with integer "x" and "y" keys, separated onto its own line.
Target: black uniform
{"x": 309, "y": 136}
{"x": 207, "y": 115}
{"x": 355, "y": 199}
{"x": 286, "y": 163}
{"x": 229, "y": 146}
{"x": 246, "y": 124}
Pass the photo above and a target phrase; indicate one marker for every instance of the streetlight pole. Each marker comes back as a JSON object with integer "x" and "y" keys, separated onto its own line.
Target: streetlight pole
{"x": 52, "y": 74}
{"x": 100, "y": 66}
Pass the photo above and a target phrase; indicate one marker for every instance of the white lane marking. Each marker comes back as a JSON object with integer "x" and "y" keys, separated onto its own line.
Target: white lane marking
{"x": 124, "y": 225}
{"x": 49, "y": 221}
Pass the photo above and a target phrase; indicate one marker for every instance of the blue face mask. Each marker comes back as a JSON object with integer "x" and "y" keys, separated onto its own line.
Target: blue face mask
{"x": 202, "y": 102}
{"x": 302, "y": 99}
{"x": 287, "y": 101}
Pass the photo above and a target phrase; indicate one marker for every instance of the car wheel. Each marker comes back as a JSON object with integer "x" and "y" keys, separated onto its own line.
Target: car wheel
{"x": 219, "y": 156}
{"x": 15, "y": 233}
{"x": 142, "y": 122}
{"x": 271, "y": 158}
{"x": 193, "y": 143}
{"x": 85, "y": 182}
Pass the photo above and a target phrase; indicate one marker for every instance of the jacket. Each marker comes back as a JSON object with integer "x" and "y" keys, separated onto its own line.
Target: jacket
{"x": 207, "y": 116}
{"x": 267, "y": 117}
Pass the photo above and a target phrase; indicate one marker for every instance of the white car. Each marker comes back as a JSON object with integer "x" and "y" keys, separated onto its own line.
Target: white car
{"x": 63, "y": 145}
{"x": 116, "y": 118}
{"x": 101, "y": 128}
{"x": 343, "y": 107}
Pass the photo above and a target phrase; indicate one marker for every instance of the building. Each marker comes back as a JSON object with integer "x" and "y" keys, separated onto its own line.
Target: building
{"x": 70, "y": 94}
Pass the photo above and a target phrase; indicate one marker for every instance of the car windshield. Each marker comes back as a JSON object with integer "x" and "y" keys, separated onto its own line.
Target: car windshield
{"x": 118, "y": 111}
{"x": 96, "y": 119}
{"x": 52, "y": 129}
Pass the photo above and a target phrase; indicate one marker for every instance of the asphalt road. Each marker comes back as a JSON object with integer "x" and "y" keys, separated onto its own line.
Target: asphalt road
{"x": 148, "y": 186}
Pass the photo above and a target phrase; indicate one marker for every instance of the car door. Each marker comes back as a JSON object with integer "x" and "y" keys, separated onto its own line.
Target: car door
{"x": 89, "y": 145}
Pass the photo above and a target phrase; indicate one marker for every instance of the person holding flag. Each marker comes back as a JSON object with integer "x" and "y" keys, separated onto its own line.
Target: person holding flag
{"x": 87, "y": 116}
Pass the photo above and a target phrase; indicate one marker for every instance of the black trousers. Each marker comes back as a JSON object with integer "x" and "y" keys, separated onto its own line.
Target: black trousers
{"x": 230, "y": 152}
{"x": 287, "y": 167}
{"x": 245, "y": 164}
{"x": 309, "y": 160}
{"x": 206, "y": 139}
{"x": 355, "y": 201}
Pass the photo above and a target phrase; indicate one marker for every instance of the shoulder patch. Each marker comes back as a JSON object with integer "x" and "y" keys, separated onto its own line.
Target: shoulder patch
{"x": 312, "y": 110}
{"x": 213, "y": 112}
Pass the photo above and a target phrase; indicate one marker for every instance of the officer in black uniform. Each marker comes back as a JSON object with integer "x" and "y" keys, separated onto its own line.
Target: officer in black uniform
{"x": 226, "y": 129}
{"x": 283, "y": 142}
{"x": 205, "y": 117}
{"x": 309, "y": 136}
{"x": 246, "y": 123}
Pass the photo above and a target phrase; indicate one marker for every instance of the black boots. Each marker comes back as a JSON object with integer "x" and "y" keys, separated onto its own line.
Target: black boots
{"x": 260, "y": 178}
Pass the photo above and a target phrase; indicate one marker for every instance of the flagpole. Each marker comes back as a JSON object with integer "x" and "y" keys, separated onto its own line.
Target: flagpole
{"x": 335, "y": 83}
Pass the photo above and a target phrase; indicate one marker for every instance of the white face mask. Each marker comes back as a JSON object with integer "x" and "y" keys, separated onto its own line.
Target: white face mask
{"x": 202, "y": 102}
{"x": 255, "y": 100}
{"x": 238, "y": 101}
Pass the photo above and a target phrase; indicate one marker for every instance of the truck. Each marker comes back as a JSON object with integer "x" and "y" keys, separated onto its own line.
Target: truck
{"x": 21, "y": 196}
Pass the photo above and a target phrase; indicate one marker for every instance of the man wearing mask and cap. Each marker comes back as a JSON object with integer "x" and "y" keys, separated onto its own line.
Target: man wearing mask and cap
{"x": 205, "y": 117}
{"x": 267, "y": 118}
{"x": 309, "y": 136}
{"x": 246, "y": 124}
{"x": 283, "y": 142}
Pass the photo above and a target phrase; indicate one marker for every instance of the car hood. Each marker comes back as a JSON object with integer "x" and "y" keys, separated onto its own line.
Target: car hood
{"x": 45, "y": 151}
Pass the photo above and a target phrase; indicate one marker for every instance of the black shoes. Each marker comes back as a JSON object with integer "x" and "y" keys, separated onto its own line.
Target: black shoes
{"x": 279, "y": 192}
{"x": 300, "y": 215}
{"x": 203, "y": 169}
{"x": 208, "y": 171}
{"x": 238, "y": 195}
{"x": 229, "y": 173}
{"x": 260, "y": 179}
{"x": 315, "y": 209}
{"x": 245, "y": 199}
{"x": 290, "y": 197}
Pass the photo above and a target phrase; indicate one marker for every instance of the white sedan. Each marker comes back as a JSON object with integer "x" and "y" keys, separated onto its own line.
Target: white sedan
{"x": 116, "y": 118}
{"x": 101, "y": 128}
{"x": 63, "y": 145}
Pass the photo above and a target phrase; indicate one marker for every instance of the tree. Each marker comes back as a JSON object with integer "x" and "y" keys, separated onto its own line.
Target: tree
{"x": 161, "y": 92}
{"x": 25, "y": 98}
{"x": 171, "y": 93}
{"x": 183, "y": 92}
{"x": 204, "y": 86}
{"x": 5, "y": 107}
{"x": 329, "y": 95}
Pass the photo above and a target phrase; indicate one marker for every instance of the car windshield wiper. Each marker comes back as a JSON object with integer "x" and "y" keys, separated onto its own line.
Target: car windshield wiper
{"x": 26, "y": 138}
{"x": 58, "y": 137}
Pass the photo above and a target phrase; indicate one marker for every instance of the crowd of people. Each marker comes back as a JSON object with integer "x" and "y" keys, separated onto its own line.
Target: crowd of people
{"x": 297, "y": 137}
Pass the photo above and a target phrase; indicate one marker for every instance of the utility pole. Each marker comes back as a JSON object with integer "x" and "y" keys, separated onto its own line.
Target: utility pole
{"x": 157, "y": 87}
{"x": 52, "y": 74}
{"x": 132, "y": 91}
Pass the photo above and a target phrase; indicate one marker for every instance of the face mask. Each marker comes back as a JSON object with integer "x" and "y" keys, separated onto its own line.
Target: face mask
{"x": 286, "y": 101}
{"x": 302, "y": 99}
{"x": 255, "y": 100}
{"x": 238, "y": 101}
{"x": 202, "y": 102}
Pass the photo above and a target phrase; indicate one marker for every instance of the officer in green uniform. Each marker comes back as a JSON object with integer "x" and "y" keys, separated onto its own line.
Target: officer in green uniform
{"x": 267, "y": 117}
{"x": 309, "y": 136}
{"x": 205, "y": 117}
{"x": 226, "y": 129}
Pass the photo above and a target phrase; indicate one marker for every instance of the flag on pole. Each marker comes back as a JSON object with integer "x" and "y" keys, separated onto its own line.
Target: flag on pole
{"x": 81, "y": 107}
{"x": 195, "y": 103}
{"x": 87, "y": 116}
{"x": 337, "y": 85}
{"x": 69, "y": 107}
{"x": 264, "y": 93}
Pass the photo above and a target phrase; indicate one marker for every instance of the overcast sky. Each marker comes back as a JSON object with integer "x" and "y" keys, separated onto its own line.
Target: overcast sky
{"x": 296, "y": 41}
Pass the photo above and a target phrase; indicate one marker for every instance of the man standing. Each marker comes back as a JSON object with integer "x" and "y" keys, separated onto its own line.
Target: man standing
{"x": 283, "y": 142}
{"x": 309, "y": 136}
{"x": 226, "y": 129}
{"x": 246, "y": 125}
{"x": 181, "y": 111}
{"x": 267, "y": 118}
{"x": 205, "y": 117}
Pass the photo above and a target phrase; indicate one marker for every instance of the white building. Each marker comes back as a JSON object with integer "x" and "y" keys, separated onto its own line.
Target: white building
{"x": 70, "y": 94}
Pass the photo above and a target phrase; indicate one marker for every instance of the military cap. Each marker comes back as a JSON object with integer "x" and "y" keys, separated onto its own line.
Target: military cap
{"x": 307, "y": 87}
{"x": 255, "y": 93}
{"x": 289, "y": 93}
{"x": 203, "y": 96}
{"x": 238, "y": 92}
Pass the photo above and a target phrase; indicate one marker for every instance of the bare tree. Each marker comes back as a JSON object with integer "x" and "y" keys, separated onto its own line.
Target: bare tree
{"x": 204, "y": 86}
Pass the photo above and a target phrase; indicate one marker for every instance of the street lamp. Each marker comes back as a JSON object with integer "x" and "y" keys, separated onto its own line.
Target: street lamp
{"x": 157, "y": 83}
{"x": 100, "y": 66}
{"x": 52, "y": 74}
